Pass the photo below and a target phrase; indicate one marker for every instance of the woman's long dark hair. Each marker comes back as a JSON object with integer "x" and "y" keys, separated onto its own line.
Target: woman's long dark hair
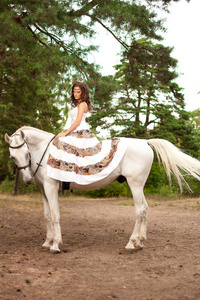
{"x": 85, "y": 97}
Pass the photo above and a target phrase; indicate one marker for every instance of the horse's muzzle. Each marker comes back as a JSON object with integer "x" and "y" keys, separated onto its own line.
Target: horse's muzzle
{"x": 28, "y": 182}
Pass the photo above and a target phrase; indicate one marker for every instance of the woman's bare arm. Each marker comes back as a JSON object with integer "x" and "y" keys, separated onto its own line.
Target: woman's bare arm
{"x": 82, "y": 108}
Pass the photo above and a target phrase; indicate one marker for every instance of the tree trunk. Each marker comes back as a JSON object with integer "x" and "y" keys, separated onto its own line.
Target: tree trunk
{"x": 16, "y": 183}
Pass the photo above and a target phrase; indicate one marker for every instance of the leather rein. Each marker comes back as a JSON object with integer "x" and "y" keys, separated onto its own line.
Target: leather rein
{"x": 29, "y": 154}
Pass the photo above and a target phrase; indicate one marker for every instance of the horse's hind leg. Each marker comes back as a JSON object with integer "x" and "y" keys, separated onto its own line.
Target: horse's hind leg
{"x": 141, "y": 214}
{"x": 47, "y": 215}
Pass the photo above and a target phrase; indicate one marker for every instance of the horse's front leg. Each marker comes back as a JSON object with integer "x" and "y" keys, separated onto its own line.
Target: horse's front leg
{"x": 47, "y": 215}
{"x": 141, "y": 214}
{"x": 51, "y": 192}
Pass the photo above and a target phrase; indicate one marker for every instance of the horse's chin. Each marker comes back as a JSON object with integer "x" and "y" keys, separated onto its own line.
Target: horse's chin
{"x": 26, "y": 176}
{"x": 28, "y": 181}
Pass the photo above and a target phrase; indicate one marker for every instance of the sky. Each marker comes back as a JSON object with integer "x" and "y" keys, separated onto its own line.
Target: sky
{"x": 183, "y": 27}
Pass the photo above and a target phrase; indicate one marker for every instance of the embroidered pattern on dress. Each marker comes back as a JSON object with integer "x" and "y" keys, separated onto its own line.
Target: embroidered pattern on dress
{"x": 85, "y": 170}
{"x": 77, "y": 151}
{"x": 80, "y": 134}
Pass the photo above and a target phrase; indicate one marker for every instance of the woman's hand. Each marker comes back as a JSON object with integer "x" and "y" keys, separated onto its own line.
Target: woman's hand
{"x": 61, "y": 134}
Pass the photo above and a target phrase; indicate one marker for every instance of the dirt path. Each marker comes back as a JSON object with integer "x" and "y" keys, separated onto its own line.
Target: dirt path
{"x": 93, "y": 264}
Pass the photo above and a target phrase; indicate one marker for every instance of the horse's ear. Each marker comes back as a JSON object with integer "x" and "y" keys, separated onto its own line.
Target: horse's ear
{"x": 22, "y": 134}
{"x": 7, "y": 138}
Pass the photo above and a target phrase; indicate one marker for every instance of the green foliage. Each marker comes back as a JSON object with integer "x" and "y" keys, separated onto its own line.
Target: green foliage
{"x": 164, "y": 3}
{"x": 149, "y": 95}
{"x": 42, "y": 52}
{"x": 177, "y": 130}
{"x": 28, "y": 79}
{"x": 102, "y": 89}
{"x": 114, "y": 189}
{"x": 7, "y": 187}
{"x": 158, "y": 183}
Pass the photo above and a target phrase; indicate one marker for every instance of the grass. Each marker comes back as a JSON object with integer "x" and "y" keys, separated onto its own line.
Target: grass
{"x": 175, "y": 201}
{"x": 34, "y": 200}
{"x": 19, "y": 202}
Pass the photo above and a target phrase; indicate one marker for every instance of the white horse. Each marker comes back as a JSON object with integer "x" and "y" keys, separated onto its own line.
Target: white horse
{"x": 28, "y": 145}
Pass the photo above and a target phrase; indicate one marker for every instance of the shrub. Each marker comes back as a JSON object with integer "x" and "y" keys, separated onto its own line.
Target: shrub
{"x": 115, "y": 189}
{"x": 7, "y": 187}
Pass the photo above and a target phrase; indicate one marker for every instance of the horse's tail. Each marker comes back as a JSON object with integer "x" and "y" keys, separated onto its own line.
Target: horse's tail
{"x": 174, "y": 160}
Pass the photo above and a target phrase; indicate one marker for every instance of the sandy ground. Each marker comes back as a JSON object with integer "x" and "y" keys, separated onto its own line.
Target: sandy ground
{"x": 93, "y": 264}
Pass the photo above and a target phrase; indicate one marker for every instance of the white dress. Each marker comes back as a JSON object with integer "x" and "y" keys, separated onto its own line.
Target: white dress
{"x": 80, "y": 157}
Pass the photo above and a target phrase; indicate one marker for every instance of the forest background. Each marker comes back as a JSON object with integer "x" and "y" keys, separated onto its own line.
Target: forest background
{"x": 44, "y": 48}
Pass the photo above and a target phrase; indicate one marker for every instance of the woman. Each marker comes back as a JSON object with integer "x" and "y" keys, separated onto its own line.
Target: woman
{"x": 76, "y": 155}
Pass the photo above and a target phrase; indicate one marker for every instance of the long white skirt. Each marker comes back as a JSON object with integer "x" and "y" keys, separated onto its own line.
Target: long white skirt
{"x": 80, "y": 157}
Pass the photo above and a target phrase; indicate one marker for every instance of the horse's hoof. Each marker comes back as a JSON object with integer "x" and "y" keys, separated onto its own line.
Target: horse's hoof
{"x": 138, "y": 247}
{"x": 133, "y": 247}
{"x": 54, "y": 251}
{"x": 130, "y": 247}
{"x": 47, "y": 245}
{"x": 133, "y": 250}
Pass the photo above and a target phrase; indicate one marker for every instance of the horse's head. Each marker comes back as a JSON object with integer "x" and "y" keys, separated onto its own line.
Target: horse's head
{"x": 20, "y": 154}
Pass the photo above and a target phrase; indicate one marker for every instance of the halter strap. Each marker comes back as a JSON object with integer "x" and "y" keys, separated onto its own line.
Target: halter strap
{"x": 29, "y": 164}
{"x": 24, "y": 167}
{"x": 17, "y": 147}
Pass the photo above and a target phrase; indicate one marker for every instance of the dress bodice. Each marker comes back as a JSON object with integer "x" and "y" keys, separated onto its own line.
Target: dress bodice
{"x": 73, "y": 115}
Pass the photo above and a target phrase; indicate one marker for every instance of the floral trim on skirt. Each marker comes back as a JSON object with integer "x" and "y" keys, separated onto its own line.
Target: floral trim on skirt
{"x": 84, "y": 170}
{"x": 81, "y": 158}
{"x": 81, "y": 152}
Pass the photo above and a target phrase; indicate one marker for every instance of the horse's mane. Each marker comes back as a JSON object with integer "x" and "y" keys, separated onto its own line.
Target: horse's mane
{"x": 35, "y": 135}
{"x": 29, "y": 128}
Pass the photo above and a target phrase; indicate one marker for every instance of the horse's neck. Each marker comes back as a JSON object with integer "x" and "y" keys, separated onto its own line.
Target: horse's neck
{"x": 36, "y": 137}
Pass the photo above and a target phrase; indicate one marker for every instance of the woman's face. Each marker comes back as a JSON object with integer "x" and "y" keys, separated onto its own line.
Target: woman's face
{"x": 77, "y": 93}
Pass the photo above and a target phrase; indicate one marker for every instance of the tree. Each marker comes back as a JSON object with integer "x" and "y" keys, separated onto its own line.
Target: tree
{"x": 176, "y": 129}
{"x": 165, "y": 3}
{"x": 103, "y": 91}
{"x": 29, "y": 83}
{"x": 194, "y": 118}
{"x": 42, "y": 50}
{"x": 41, "y": 53}
{"x": 146, "y": 77}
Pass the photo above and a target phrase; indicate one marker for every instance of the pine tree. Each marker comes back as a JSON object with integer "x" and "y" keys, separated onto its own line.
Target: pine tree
{"x": 146, "y": 77}
{"x": 44, "y": 46}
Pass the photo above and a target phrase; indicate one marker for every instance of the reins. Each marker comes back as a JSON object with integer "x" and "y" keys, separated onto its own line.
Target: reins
{"x": 29, "y": 164}
{"x": 39, "y": 164}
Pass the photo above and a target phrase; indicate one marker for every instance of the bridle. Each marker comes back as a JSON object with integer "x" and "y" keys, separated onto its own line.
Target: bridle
{"x": 29, "y": 154}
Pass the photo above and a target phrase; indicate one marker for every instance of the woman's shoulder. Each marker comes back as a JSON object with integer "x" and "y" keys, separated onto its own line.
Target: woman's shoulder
{"x": 83, "y": 105}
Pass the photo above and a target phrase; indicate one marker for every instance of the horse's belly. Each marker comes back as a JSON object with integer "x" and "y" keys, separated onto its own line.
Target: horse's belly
{"x": 98, "y": 184}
